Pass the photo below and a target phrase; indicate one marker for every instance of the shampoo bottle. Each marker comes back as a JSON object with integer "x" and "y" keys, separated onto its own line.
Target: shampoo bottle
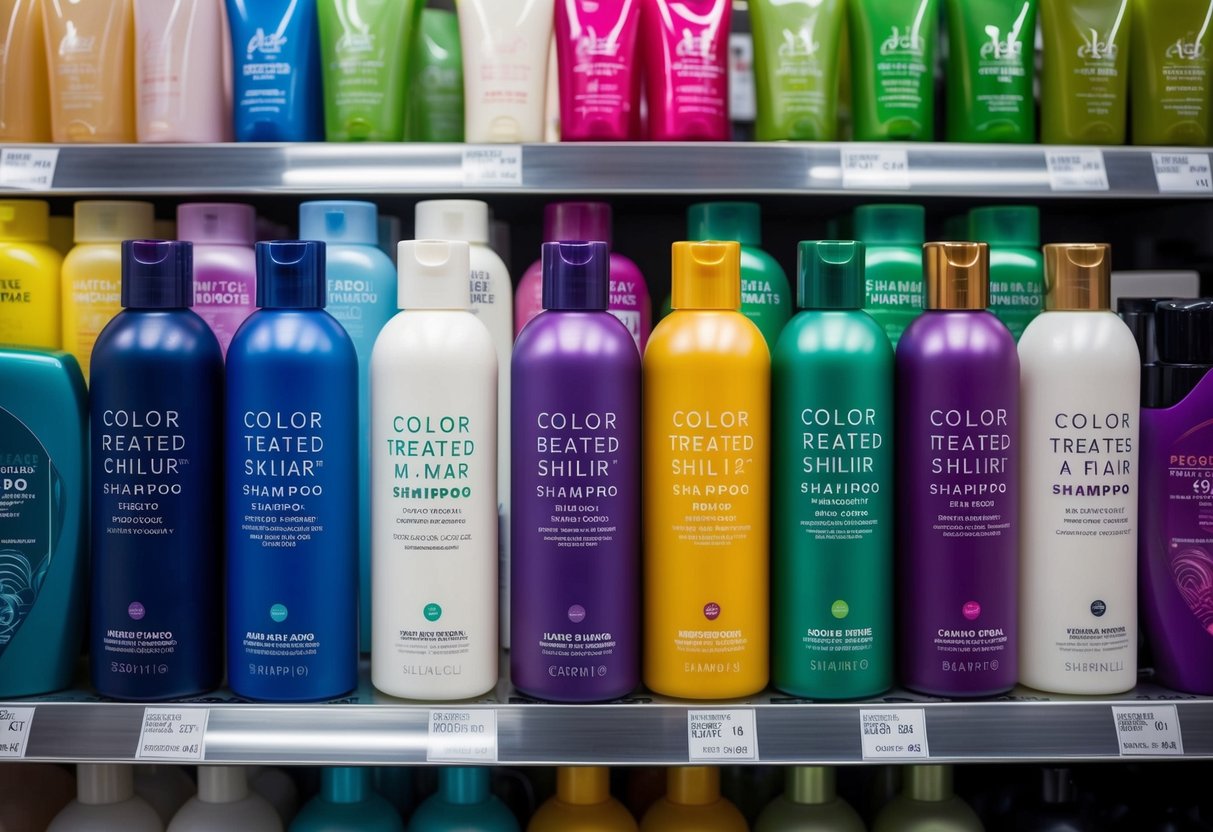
{"x": 706, "y": 485}
{"x": 30, "y": 312}
{"x": 810, "y": 802}
{"x": 435, "y": 111}
{"x": 894, "y": 237}
{"x": 1170, "y": 66}
{"x": 105, "y": 799}
{"x": 347, "y": 803}
{"x": 24, "y": 111}
{"x": 1084, "y": 86}
{"x": 1081, "y": 393}
{"x": 165, "y": 787}
{"x": 692, "y": 803}
{"x": 179, "y": 93}
{"x": 44, "y": 532}
{"x": 1017, "y": 270}
{"x": 685, "y": 51}
{"x": 292, "y": 450}
{"x": 927, "y": 803}
{"x": 225, "y": 267}
{"x": 576, "y": 442}
{"x": 893, "y": 45}
{"x": 157, "y": 445}
{"x": 582, "y": 803}
{"x": 958, "y": 431}
{"x": 596, "y": 53}
{"x": 463, "y": 804}
{"x": 91, "y": 68}
{"x": 991, "y": 70}
{"x": 832, "y": 446}
{"x": 434, "y": 485}
{"x": 225, "y": 802}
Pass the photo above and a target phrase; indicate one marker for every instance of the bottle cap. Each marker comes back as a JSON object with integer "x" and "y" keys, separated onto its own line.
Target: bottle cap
{"x": 958, "y": 275}
{"x": 583, "y": 785}
{"x": 1185, "y": 331}
{"x": 576, "y": 276}
{"x": 737, "y": 221}
{"x": 707, "y": 275}
{"x": 577, "y": 221}
{"x": 1078, "y": 277}
{"x": 810, "y": 784}
{"x": 218, "y": 223}
{"x": 99, "y": 784}
{"x": 222, "y": 784}
{"x": 463, "y": 784}
{"x": 345, "y": 784}
{"x": 25, "y": 220}
{"x": 340, "y": 221}
{"x": 891, "y": 225}
{"x": 693, "y": 785}
{"x": 453, "y": 219}
{"x": 830, "y": 274}
{"x": 108, "y": 221}
{"x": 1138, "y": 315}
{"x": 290, "y": 274}
{"x": 433, "y": 274}
{"x": 1006, "y": 226}
{"x": 928, "y": 783}
{"x": 157, "y": 274}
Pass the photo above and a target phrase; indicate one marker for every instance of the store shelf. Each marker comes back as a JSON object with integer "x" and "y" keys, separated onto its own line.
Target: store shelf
{"x": 977, "y": 171}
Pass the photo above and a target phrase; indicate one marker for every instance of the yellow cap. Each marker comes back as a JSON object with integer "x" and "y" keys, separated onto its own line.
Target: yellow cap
{"x": 112, "y": 221}
{"x": 24, "y": 220}
{"x": 583, "y": 785}
{"x": 1078, "y": 277}
{"x": 707, "y": 275}
{"x": 693, "y": 785}
{"x": 958, "y": 275}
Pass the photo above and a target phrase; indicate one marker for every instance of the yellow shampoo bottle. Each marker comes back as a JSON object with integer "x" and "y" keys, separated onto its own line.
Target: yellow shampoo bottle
{"x": 29, "y": 277}
{"x": 706, "y": 402}
{"x": 692, "y": 803}
{"x": 582, "y": 803}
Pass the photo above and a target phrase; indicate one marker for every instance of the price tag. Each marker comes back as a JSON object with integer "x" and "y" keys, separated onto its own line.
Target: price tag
{"x": 492, "y": 166}
{"x": 1183, "y": 173}
{"x": 894, "y": 734}
{"x": 14, "y": 731}
{"x": 1151, "y": 730}
{"x": 719, "y": 736}
{"x": 462, "y": 736}
{"x": 28, "y": 168}
{"x": 1076, "y": 170}
{"x": 879, "y": 169}
{"x": 173, "y": 734}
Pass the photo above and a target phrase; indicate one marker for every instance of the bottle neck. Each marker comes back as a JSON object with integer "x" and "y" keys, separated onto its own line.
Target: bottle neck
{"x": 464, "y": 785}
{"x": 584, "y": 786}
{"x": 929, "y": 783}
{"x": 810, "y": 784}
{"x": 694, "y": 786}
{"x": 222, "y": 784}
{"x": 347, "y": 784}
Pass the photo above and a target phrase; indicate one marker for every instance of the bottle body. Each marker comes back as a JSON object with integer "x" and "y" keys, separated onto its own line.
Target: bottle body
{"x": 596, "y": 53}
{"x": 893, "y": 75}
{"x": 1171, "y": 41}
{"x": 91, "y": 69}
{"x": 178, "y": 67}
{"x": 1017, "y": 279}
{"x": 225, "y": 288}
{"x": 24, "y": 113}
{"x": 765, "y": 296}
{"x": 92, "y": 280}
{"x": 895, "y": 288}
{"x": 436, "y": 102}
{"x": 30, "y": 309}
{"x": 630, "y": 300}
{"x": 991, "y": 69}
{"x": 1084, "y": 85}
{"x": 685, "y": 49}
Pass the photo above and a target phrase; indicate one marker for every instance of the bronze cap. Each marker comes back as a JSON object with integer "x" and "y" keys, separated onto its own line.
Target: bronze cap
{"x": 1078, "y": 277}
{"x": 958, "y": 275}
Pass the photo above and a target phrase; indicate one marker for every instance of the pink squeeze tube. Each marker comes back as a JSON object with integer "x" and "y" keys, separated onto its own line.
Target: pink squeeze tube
{"x": 596, "y": 55}
{"x": 686, "y": 50}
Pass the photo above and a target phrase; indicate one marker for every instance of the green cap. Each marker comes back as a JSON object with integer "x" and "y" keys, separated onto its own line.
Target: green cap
{"x": 1006, "y": 226}
{"x": 830, "y": 274}
{"x": 738, "y": 221}
{"x": 891, "y": 225}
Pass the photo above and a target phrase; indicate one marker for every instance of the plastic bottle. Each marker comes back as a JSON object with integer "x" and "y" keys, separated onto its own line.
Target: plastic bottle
{"x": 30, "y": 314}
{"x": 894, "y": 235}
{"x": 225, "y": 267}
{"x": 156, "y": 449}
{"x": 91, "y": 69}
{"x": 832, "y": 439}
{"x": 433, "y": 444}
{"x": 927, "y": 804}
{"x": 1171, "y": 40}
{"x": 693, "y": 804}
{"x": 105, "y": 799}
{"x": 225, "y": 802}
{"x": 597, "y": 58}
{"x": 347, "y": 803}
{"x": 436, "y": 94}
{"x": 1085, "y": 82}
{"x": 463, "y": 804}
{"x": 24, "y": 112}
{"x": 893, "y": 45}
{"x": 276, "y": 786}
{"x": 165, "y": 787}
{"x": 582, "y": 803}
{"x": 706, "y": 570}
{"x": 991, "y": 70}
{"x": 684, "y": 47}
{"x": 810, "y": 802}
{"x": 291, "y": 424}
{"x": 1017, "y": 268}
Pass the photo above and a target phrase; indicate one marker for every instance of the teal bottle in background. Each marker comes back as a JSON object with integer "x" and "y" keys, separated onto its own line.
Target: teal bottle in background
{"x": 1017, "y": 267}
{"x": 832, "y": 486}
{"x": 894, "y": 235}
{"x": 347, "y": 803}
{"x": 463, "y": 804}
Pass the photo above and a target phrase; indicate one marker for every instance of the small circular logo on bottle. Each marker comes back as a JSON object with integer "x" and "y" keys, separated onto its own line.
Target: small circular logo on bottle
{"x": 136, "y": 611}
{"x": 711, "y": 611}
{"x": 1098, "y": 608}
{"x": 840, "y": 609}
{"x": 577, "y": 613}
{"x": 971, "y": 610}
{"x": 278, "y": 613}
{"x": 432, "y": 612}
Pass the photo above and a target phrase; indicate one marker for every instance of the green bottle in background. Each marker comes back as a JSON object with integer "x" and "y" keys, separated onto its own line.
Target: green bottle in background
{"x": 927, "y": 803}
{"x": 1085, "y": 81}
{"x": 765, "y": 297}
{"x": 832, "y": 507}
{"x": 811, "y": 802}
{"x": 435, "y": 106}
{"x": 1017, "y": 269}
{"x": 894, "y": 236}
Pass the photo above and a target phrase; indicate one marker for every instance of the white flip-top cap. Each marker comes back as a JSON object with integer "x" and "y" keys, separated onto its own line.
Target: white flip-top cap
{"x": 100, "y": 784}
{"x": 433, "y": 274}
{"x": 453, "y": 219}
{"x": 222, "y": 784}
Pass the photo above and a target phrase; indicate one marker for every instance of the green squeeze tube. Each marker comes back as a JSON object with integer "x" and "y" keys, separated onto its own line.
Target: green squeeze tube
{"x": 832, "y": 464}
{"x": 1017, "y": 267}
{"x": 894, "y": 235}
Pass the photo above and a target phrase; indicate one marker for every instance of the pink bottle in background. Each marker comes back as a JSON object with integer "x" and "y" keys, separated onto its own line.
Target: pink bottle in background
{"x": 589, "y": 221}
{"x": 225, "y": 267}
{"x": 685, "y": 45}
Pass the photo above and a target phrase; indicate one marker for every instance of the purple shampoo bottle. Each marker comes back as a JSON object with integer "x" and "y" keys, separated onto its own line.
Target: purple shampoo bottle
{"x": 576, "y": 488}
{"x": 958, "y": 421}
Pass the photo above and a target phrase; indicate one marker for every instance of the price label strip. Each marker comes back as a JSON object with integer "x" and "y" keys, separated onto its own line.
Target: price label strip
{"x": 894, "y": 734}
{"x": 1076, "y": 170}
{"x": 1148, "y": 730}
{"x": 498, "y": 166}
{"x": 173, "y": 734}
{"x": 1183, "y": 173}
{"x": 14, "y": 731}
{"x": 879, "y": 169}
{"x": 462, "y": 736}
{"x": 27, "y": 168}
{"x": 722, "y": 735}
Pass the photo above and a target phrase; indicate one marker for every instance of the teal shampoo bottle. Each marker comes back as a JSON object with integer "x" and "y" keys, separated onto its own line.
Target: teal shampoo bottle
{"x": 463, "y": 804}
{"x": 347, "y": 803}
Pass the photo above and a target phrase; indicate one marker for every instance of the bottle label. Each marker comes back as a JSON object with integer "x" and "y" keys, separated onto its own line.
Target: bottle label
{"x": 1001, "y": 63}
{"x": 1100, "y": 65}
{"x": 349, "y": 300}
{"x": 1016, "y": 303}
{"x": 1189, "y": 525}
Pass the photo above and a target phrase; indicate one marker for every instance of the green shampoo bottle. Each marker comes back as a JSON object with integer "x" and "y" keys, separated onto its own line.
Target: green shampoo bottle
{"x": 894, "y": 236}
{"x": 1017, "y": 268}
{"x": 991, "y": 70}
{"x": 1085, "y": 81}
{"x": 810, "y": 802}
{"x": 1171, "y": 65}
{"x": 832, "y": 460}
{"x": 893, "y": 46}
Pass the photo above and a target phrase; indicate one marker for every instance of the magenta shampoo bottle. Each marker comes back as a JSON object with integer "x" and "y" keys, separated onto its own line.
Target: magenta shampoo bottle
{"x": 958, "y": 420}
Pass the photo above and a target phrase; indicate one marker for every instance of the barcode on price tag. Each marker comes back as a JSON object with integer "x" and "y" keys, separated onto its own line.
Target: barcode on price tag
{"x": 462, "y": 736}
{"x": 1147, "y": 730}
{"x": 14, "y": 731}
{"x": 173, "y": 734}
{"x": 1076, "y": 170}
{"x": 720, "y": 735}
{"x": 879, "y": 169}
{"x": 1183, "y": 173}
{"x": 894, "y": 734}
{"x": 492, "y": 166}
{"x": 28, "y": 168}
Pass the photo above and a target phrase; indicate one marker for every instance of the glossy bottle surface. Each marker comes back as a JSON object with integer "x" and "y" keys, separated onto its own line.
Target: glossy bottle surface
{"x": 797, "y": 75}
{"x": 435, "y": 111}
{"x": 463, "y": 804}
{"x": 684, "y": 48}
{"x": 91, "y": 68}
{"x": 347, "y": 802}
{"x": 991, "y": 70}
{"x": 1084, "y": 86}
{"x": 582, "y": 803}
{"x": 178, "y": 60}
{"x": 1170, "y": 67}
{"x": 893, "y": 44}
{"x": 24, "y": 107}
{"x": 30, "y": 308}
{"x": 693, "y": 804}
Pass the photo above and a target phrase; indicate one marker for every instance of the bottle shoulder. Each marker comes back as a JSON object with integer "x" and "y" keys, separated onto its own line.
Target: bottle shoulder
{"x": 1098, "y": 337}
{"x": 85, "y": 256}
{"x": 813, "y": 333}
{"x": 282, "y": 333}
{"x": 442, "y": 333}
{"x": 240, "y": 261}
{"x": 757, "y": 259}
{"x": 575, "y": 337}
{"x": 35, "y": 257}
{"x": 368, "y": 260}
{"x": 893, "y": 259}
{"x": 156, "y": 335}
{"x": 720, "y": 333}
{"x": 483, "y": 259}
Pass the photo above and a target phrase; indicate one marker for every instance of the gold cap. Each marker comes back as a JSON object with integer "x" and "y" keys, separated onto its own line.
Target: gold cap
{"x": 958, "y": 275}
{"x": 1078, "y": 277}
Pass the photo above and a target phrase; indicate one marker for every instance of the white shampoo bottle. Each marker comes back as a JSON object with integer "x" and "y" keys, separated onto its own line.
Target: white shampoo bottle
{"x": 105, "y": 799}
{"x": 224, "y": 801}
{"x": 434, "y": 485}
{"x": 1080, "y": 394}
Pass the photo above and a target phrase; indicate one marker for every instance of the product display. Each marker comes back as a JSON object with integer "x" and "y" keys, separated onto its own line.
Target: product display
{"x": 24, "y": 113}
{"x": 1084, "y": 88}
{"x": 685, "y": 48}
{"x": 991, "y": 69}
{"x": 347, "y": 803}
{"x": 105, "y": 799}
{"x": 225, "y": 267}
{"x": 30, "y": 309}
{"x": 90, "y": 56}
{"x": 582, "y": 803}
{"x": 1170, "y": 68}
{"x": 597, "y": 58}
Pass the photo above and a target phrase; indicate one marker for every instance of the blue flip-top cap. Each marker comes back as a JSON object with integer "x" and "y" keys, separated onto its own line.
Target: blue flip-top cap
{"x": 576, "y": 276}
{"x": 157, "y": 274}
{"x": 290, "y": 274}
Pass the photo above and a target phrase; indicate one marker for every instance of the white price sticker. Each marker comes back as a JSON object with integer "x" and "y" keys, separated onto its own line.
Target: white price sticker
{"x": 173, "y": 734}
{"x": 492, "y": 166}
{"x": 720, "y": 736}
{"x": 1076, "y": 170}
{"x": 462, "y": 736}
{"x": 28, "y": 168}
{"x": 878, "y": 169}
{"x": 1149, "y": 730}
{"x": 894, "y": 734}
{"x": 1183, "y": 173}
{"x": 14, "y": 731}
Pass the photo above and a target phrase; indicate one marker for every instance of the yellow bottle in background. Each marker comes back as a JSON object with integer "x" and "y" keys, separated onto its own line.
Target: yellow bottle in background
{"x": 90, "y": 50}
{"x": 29, "y": 277}
{"x": 693, "y": 803}
{"x": 582, "y": 803}
{"x": 706, "y": 401}
{"x": 92, "y": 270}
{"x": 24, "y": 113}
